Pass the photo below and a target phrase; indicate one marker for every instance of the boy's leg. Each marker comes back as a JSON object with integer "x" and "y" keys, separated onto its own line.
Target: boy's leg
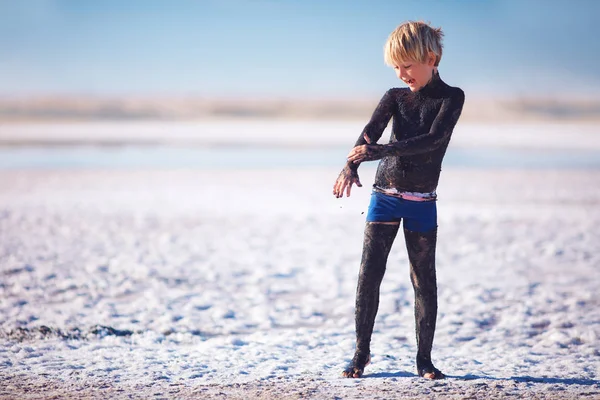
{"x": 421, "y": 254}
{"x": 376, "y": 247}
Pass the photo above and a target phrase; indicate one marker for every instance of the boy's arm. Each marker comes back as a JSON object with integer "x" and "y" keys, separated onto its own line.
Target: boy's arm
{"x": 440, "y": 131}
{"x": 370, "y": 134}
{"x": 376, "y": 125}
{"x": 379, "y": 120}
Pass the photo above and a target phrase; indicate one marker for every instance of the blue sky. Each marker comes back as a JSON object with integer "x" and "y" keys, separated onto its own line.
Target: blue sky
{"x": 289, "y": 48}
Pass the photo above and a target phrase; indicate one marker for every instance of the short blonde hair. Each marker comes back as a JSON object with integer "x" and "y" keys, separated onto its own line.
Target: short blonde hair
{"x": 413, "y": 40}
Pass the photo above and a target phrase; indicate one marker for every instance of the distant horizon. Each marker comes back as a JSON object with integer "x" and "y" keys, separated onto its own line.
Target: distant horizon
{"x": 104, "y": 108}
{"x": 262, "y": 97}
{"x": 294, "y": 50}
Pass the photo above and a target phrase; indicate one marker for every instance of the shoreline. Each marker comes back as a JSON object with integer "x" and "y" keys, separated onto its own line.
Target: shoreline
{"x": 477, "y": 109}
{"x": 284, "y": 134}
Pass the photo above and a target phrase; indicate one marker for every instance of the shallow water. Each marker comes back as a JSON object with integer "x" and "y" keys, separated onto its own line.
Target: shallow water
{"x": 137, "y": 156}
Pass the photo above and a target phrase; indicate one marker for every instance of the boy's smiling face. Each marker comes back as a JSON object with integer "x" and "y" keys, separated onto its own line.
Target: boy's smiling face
{"x": 414, "y": 73}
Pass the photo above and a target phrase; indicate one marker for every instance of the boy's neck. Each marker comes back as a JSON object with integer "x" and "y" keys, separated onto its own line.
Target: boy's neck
{"x": 434, "y": 74}
{"x": 434, "y": 77}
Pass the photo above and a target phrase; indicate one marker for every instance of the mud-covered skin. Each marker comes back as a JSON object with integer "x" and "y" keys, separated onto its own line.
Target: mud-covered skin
{"x": 376, "y": 248}
{"x": 410, "y": 162}
{"x": 423, "y": 122}
{"x": 346, "y": 179}
{"x": 357, "y": 366}
{"x": 378, "y": 241}
{"x": 421, "y": 254}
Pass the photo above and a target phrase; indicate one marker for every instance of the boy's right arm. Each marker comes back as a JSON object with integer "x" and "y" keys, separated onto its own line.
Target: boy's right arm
{"x": 370, "y": 134}
{"x": 379, "y": 120}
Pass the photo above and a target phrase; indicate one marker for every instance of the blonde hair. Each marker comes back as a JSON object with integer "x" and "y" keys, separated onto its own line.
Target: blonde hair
{"x": 413, "y": 40}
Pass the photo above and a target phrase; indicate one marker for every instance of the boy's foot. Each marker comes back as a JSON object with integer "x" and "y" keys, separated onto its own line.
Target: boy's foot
{"x": 357, "y": 366}
{"x": 426, "y": 370}
{"x": 431, "y": 373}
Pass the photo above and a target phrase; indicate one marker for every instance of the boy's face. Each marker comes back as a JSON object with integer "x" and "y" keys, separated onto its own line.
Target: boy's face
{"x": 414, "y": 73}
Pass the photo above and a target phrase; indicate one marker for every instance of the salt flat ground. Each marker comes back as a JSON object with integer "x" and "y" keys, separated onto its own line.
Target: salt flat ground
{"x": 240, "y": 284}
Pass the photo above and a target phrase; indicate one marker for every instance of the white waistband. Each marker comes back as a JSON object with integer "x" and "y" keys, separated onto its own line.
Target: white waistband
{"x": 396, "y": 192}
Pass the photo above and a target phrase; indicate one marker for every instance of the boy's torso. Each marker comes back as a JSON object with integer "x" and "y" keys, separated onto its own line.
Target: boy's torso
{"x": 414, "y": 115}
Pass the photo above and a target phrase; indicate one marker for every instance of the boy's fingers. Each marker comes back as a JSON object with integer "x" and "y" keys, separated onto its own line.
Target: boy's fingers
{"x": 356, "y": 151}
{"x": 345, "y": 185}
{"x": 339, "y": 192}
{"x": 356, "y": 158}
{"x": 367, "y": 139}
{"x": 338, "y": 189}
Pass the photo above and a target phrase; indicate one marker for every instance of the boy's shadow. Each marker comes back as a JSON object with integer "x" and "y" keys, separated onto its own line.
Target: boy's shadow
{"x": 526, "y": 378}
{"x": 399, "y": 374}
{"x": 471, "y": 377}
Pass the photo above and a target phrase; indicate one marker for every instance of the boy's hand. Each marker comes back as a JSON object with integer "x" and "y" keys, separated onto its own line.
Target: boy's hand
{"x": 366, "y": 152}
{"x": 347, "y": 177}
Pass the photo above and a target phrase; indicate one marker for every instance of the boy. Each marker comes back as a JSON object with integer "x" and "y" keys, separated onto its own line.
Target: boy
{"x": 424, "y": 116}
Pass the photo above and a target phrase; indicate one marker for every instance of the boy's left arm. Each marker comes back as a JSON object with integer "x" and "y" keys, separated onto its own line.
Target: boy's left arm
{"x": 440, "y": 131}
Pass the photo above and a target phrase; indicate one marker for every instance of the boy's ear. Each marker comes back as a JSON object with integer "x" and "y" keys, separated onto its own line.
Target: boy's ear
{"x": 431, "y": 59}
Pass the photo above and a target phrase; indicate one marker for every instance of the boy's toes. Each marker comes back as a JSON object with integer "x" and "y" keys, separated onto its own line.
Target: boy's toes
{"x": 352, "y": 372}
{"x": 357, "y": 366}
{"x": 432, "y": 374}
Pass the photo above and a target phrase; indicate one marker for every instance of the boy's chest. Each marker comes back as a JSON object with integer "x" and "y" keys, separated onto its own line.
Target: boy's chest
{"x": 417, "y": 115}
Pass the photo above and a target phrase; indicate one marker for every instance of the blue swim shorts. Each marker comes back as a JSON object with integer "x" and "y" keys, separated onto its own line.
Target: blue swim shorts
{"x": 419, "y": 216}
